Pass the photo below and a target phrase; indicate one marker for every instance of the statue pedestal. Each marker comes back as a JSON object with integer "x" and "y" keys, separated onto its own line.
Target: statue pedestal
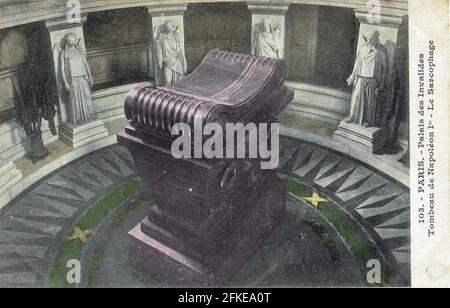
{"x": 77, "y": 135}
{"x": 9, "y": 175}
{"x": 371, "y": 139}
{"x": 167, "y": 253}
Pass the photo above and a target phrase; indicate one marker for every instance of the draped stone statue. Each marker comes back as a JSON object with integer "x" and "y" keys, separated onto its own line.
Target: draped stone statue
{"x": 368, "y": 80}
{"x": 75, "y": 80}
{"x": 266, "y": 40}
{"x": 169, "y": 54}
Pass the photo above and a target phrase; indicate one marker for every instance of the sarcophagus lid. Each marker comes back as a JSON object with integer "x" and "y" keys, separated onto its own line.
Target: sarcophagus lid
{"x": 226, "y": 87}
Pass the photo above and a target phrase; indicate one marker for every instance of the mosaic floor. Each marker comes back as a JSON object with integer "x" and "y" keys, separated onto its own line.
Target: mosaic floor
{"x": 340, "y": 215}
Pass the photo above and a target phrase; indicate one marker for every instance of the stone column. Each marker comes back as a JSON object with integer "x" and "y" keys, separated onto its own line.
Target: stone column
{"x": 387, "y": 25}
{"x": 172, "y": 15}
{"x": 74, "y": 135}
{"x": 268, "y": 28}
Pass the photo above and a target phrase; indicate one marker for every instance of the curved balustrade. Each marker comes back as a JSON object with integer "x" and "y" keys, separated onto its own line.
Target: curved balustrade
{"x": 313, "y": 102}
{"x": 109, "y": 106}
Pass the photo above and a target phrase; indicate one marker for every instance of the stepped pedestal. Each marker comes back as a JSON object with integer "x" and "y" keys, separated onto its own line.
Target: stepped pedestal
{"x": 371, "y": 139}
{"x": 168, "y": 253}
{"x": 78, "y": 135}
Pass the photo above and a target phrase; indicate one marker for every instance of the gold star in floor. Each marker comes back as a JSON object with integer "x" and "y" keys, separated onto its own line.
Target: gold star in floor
{"x": 81, "y": 235}
{"x": 315, "y": 199}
